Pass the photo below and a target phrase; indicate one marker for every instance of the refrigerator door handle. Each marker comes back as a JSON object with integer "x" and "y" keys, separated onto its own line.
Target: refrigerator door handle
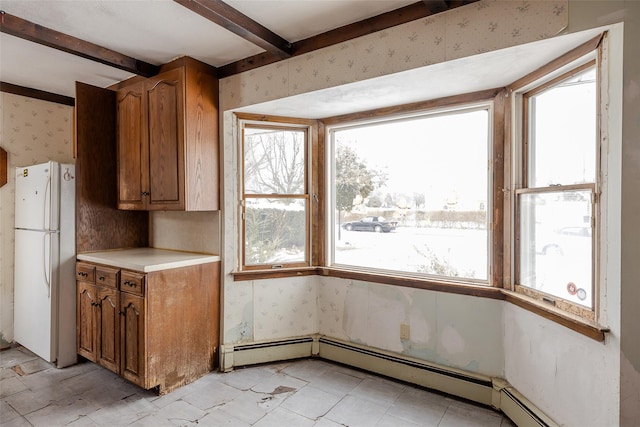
{"x": 47, "y": 268}
{"x": 47, "y": 202}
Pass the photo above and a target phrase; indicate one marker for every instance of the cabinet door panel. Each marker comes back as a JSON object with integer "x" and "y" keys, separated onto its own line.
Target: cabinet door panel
{"x": 86, "y": 336}
{"x": 108, "y": 321}
{"x": 166, "y": 138}
{"x": 132, "y": 338}
{"x": 131, "y": 147}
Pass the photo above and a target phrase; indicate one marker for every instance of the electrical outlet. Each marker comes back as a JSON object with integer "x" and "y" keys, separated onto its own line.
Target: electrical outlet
{"x": 404, "y": 331}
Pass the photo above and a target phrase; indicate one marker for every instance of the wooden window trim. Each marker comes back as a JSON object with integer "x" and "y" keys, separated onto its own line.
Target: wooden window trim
{"x": 592, "y": 46}
{"x": 310, "y": 128}
{"x": 564, "y": 60}
{"x": 496, "y": 98}
{"x": 576, "y": 323}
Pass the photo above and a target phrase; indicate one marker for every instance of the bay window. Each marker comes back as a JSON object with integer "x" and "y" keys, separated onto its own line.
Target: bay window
{"x": 493, "y": 193}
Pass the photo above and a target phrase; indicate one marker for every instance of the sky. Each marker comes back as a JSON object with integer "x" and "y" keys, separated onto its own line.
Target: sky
{"x": 437, "y": 155}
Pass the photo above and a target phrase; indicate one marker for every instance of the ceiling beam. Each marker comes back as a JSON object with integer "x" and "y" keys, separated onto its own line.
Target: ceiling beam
{"x": 36, "y": 93}
{"x": 374, "y": 24}
{"x": 233, "y": 20}
{"x": 436, "y": 6}
{"x": 23, "y": 29}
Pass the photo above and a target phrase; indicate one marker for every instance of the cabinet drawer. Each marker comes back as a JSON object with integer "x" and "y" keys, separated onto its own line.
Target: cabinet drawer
{"x": 106, "y": 276}
{"x": 132, "y": 283}
{"x": 85, "y": 272}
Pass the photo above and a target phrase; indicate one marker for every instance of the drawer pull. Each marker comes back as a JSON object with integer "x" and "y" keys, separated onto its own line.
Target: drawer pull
{"x": 101, "y": 278}
{"x": 83, "y": 274}
{"x": 129, "y": 283}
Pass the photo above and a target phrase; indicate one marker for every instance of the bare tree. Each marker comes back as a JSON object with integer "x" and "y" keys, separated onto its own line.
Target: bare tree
{"x": 274, "y": 166}
{"x": 274, "y": 163}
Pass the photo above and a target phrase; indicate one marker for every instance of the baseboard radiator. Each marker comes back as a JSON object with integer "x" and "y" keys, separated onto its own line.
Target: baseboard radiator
{"x": 494, "y": 392}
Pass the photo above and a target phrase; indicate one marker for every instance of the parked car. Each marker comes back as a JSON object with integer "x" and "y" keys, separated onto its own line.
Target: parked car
{"x": 371, "y": 223}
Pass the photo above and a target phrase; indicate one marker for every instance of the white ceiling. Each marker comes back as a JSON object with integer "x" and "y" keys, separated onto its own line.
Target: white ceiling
{"x": 158, "y": 31}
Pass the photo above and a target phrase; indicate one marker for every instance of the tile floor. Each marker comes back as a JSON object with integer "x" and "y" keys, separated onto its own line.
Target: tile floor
{"x": 308, "y": 392}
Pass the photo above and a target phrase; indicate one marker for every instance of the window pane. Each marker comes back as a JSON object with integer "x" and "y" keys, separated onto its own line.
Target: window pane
{"x": 274, "y": 161}
{"x": 562, "y": 139}
{"x": 556, "y": 244}
{"x": 275, "y": 231}
{"x": 411, "y": 195}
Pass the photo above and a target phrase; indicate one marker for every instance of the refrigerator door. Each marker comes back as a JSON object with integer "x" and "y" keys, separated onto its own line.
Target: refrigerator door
{"x": 37, "y": 196}
{"x": 67, "y": 351}
{"x": 35, "y": 298}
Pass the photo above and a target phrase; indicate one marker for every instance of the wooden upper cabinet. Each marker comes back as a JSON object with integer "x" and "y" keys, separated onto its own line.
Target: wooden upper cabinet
{"x": 168, "y": 140}
{"x": 164, "y": 96}
{"x": 131, "y": 117}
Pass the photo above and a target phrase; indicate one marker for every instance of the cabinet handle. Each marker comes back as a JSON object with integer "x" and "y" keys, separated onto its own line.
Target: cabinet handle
{"x": 144, "y": 193}
{"x": 82, "y": 274}
{"x": 101, "y": 278}
{"x": 132, "y": 284}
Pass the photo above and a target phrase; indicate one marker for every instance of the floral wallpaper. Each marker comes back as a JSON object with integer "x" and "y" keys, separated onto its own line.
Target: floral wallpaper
{"x": 31, "y": 131}
{"x": 274, "y": 309}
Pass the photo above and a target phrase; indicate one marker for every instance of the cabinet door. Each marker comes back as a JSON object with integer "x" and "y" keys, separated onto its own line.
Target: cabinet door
{"x": 108, "y": 322}
{"x": 132, "y": 147}
{"x": 85, "y": 321}
{"x": 133, "y": 338}
{"x": 165, "y": 108}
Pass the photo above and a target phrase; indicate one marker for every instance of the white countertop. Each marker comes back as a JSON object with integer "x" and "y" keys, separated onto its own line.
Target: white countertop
{"x": 146, "y": 260}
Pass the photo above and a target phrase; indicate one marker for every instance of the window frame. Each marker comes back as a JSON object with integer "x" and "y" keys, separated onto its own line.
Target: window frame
{"x": 495, "y": 227}
{"x": 446, "y": 107}
{"x": 571, "y": 64}
{"x": 309, "y": 127}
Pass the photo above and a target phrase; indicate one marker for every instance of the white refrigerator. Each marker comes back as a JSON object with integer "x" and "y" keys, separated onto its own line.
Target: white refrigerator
{"x": 44, "y": 281}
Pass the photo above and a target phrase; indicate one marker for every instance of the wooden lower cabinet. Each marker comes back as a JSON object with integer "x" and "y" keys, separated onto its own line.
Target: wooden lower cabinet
{"x": 132, "y": 333}
{"x": 108, "y": 320}
{"x": 87, "y": 298}
{"x": 157, "y": 330}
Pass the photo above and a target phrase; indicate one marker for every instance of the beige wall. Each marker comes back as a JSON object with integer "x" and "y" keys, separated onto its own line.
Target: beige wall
{"x": 32, "y": 132}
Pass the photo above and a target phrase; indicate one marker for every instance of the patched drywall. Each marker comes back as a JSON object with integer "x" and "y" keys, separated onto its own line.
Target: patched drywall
{"x": 238, "y": 312}
{"x": 31, "y": 131}
{"x": 572, "y": 378}
{"x": 264, "y": 310}
{"x": 454, "y": 330}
